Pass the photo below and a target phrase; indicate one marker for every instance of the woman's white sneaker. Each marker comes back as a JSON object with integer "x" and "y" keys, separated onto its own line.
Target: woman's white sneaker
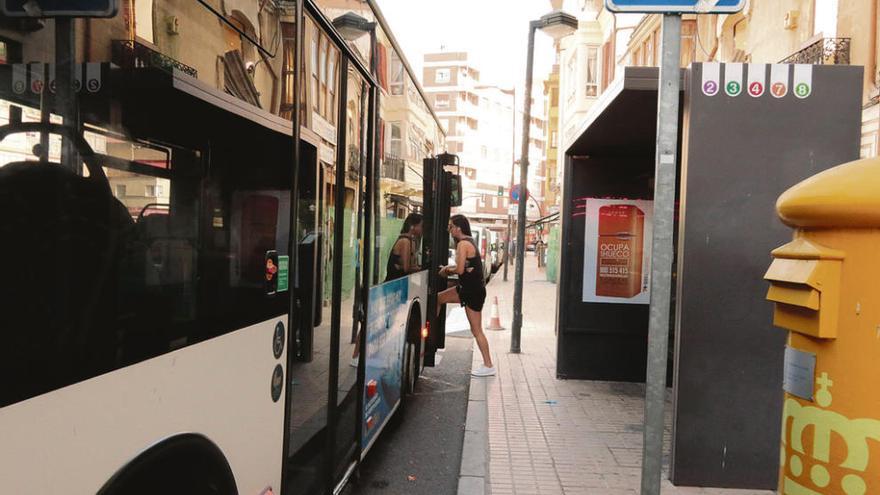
{"x": 484, "y": 371}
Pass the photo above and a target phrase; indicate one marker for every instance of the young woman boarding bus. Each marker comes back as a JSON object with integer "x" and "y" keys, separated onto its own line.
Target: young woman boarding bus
{"x": 470, "y": 291}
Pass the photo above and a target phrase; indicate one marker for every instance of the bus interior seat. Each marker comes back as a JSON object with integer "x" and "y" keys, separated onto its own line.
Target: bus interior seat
{"x": 63, "y": 238}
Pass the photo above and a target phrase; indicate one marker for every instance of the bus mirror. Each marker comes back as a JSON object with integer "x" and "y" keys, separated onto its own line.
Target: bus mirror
{"x": 455, "y": 190}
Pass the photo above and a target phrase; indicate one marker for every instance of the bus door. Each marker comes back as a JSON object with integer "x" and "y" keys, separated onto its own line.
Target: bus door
{"x": 307, "y": 407}
{"x": 442, "y": 191}
{"x": 323, "y": 408}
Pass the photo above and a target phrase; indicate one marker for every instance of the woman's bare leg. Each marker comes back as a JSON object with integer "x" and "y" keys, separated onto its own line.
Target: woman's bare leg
{"x": 475, "y": 318}
{"x": 447, "y": 296}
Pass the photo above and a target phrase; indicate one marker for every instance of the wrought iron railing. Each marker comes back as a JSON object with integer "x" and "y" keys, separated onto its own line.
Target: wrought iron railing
{"x": 131, "y": 54}
{"x": 826, "y": 51}
{"x": 394, "y": 168}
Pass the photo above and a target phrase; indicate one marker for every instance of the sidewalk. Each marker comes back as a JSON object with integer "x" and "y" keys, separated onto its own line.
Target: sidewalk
{"x": 529, "y": 433}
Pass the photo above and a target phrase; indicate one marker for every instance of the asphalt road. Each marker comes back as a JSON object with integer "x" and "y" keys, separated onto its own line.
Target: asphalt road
{"x": 420, "y": 450}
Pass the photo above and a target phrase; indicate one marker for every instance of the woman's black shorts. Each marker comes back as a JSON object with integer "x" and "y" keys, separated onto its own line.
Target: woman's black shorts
{"x": 473, "y": 298}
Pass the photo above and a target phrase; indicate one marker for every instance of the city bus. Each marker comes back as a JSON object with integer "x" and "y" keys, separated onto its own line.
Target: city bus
{"x": 193, "y": 246}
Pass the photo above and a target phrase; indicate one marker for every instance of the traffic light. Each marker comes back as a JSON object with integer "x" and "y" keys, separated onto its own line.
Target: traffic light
{"x": 500, "y": 191}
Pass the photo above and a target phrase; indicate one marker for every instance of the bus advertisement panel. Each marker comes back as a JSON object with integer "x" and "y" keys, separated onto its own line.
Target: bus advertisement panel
{"x": 386, "y": 334}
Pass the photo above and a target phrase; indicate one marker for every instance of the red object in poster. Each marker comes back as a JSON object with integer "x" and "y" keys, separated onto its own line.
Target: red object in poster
{"x": 619, "y": 257}
{"x": 259, "y": 218}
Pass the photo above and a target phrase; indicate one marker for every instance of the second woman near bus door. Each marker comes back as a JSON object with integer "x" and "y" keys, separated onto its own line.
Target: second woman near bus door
{"x": 470, "y": 291}
{"x": 402, "y": 259}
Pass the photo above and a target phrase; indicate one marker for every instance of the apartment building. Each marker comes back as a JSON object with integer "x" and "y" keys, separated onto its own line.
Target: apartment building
{"x": 483, "y": 127}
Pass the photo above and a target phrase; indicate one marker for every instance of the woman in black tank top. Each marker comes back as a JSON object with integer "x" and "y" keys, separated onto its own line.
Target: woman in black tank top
{"x": 470, "y": 291}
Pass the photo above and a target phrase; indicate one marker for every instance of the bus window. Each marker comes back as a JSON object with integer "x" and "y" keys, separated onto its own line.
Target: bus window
{"x": 151, "y": 248}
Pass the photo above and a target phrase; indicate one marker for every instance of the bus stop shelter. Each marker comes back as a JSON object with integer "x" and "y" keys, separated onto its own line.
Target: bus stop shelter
{"x": 741, "y": 145}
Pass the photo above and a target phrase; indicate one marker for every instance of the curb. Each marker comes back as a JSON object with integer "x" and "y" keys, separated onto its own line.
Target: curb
{"x": 472, "y": 475}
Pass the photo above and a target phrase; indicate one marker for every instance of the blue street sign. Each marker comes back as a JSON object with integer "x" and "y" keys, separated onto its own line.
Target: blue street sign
{"x": 514, "y": 194}
{"x": 676, "y": 6}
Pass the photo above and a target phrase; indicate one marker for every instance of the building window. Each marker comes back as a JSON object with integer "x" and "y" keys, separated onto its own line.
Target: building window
{"x": 143, "y": 19}
{"x": 397, "y": 73}
{"x": 316, "y": 82}
{"x": 592, "y": 68}
{"x": 553, "y": 139}
{"x": 323, "y": 73}
{"x": 441, "y": 101}
{"x": 607, "y": 65}
{"x": 484, "y": 153}
{"x": 396, "y": 144}
{"x": 120, "y": 190}
{"x": 825, "y": 18}
{"x": 331, "y": 85}
{"x": 570, "y": 79}
{"x": 153, "y": 190}
{"x": 442, "y": 76}
{"x": 288, "y": 72}
{"x": 414, "y": 149}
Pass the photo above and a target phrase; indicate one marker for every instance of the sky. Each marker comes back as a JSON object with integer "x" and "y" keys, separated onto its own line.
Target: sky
{"x": 493, "y": 32}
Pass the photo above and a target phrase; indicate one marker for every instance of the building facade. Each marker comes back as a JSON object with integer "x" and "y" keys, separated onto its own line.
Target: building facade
{"x": 484, "y": 129}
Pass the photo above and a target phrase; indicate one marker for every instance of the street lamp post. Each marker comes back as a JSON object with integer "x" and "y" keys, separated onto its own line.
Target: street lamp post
{"x": 557, "y": 24}
{"x": 512, "y": 171}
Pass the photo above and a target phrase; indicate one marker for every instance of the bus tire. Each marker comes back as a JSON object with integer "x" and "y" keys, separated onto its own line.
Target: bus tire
{"x": 187, "y": 463}
{"x": 412, "y": 349}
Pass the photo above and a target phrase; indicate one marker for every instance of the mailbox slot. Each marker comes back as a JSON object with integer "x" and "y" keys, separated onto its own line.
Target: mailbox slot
{"x": 805, "y": 287}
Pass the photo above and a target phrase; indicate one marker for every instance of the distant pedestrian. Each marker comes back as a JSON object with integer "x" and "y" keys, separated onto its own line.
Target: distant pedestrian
{"x": 470, "y": 291}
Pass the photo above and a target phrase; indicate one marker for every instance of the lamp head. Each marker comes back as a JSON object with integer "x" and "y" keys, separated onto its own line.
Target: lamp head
{"x": 352, "y": 26}
{"x": 558, "y": 24}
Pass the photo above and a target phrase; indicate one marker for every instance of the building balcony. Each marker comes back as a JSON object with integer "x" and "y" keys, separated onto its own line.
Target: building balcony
{"x": 394, "y": 167}
{"x": 131, "y": 54}
{"x": 825, "y": 51}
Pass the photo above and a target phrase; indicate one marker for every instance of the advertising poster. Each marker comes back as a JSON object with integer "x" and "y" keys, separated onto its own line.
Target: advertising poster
{"x": 386, "y": 333}
{"x": 617, "y": 251}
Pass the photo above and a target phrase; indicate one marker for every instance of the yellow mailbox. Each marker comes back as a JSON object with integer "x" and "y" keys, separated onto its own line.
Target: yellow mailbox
{"x": 826, "y": 288}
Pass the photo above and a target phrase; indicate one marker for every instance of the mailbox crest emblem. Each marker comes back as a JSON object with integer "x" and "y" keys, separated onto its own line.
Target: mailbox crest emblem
{"x": 839, "y": 452}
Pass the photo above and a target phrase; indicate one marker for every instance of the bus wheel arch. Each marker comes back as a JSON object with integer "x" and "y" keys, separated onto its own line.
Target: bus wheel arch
{"x": 185, "y": 463}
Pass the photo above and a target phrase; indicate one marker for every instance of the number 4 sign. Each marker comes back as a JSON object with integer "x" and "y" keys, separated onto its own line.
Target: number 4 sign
{"x": 757, "y": 79}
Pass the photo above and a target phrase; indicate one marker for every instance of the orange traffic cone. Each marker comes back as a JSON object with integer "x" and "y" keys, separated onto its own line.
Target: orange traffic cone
{"x": 494, "y": 317}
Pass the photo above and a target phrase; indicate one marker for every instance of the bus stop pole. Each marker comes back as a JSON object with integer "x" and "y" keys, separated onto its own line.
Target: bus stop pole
{"x": 661, "y": 252}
